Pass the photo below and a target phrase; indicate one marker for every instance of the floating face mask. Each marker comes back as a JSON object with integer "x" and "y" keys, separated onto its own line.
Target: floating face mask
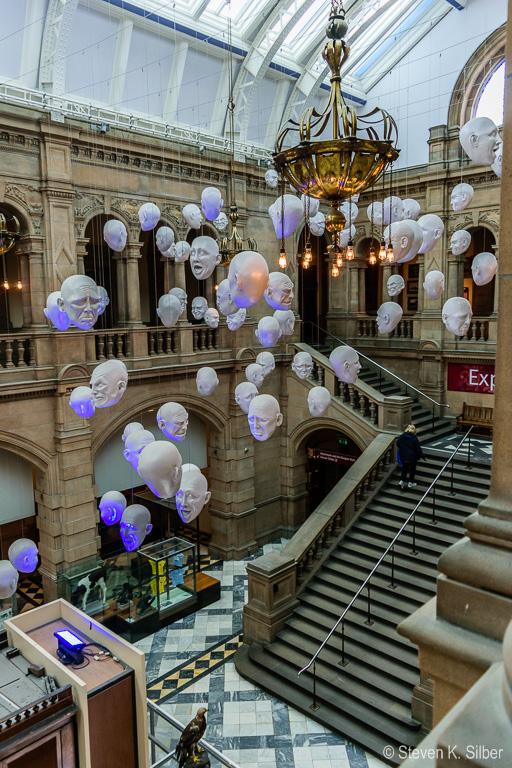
{"x": 375, "y": 213}
{"x": 8, "y": 579}
{"x": 319, "y": 399}
{"x": 264, "y": 416}
{"x": 224, "y": 300}
{"x": 192, "y": 496}
{"x": 498, "y": 158}
{"x": 199, "y": 307}
{"x": 211, "y": 202}
{"x": 279, "y": 292}
{"x": 317, "y": 225}
{"x": 104, "y": 299}
{"x": 115, "y": 234}
{"x": 212, "y": 317}
{"x": 160, "y": 468}
{"x": 348, "y": 233}
{"x": 135, "y": 444}
{"x": 133, "y": 426}
{"x": 268, "y": 331}
{"x": 480, "y": 140}
{"x": 389, "y": 315}
{"x": 81, "y": 401}
{"x": 456, "y": 315}
{"x": 255, "y": 374}
{"x": 346, "y": 365}
{"x": 460, "y": 242}
{"x": 406, "y": 239}
{"x": 149, "y": 216}
{"x": 286, "y": 320}
{"x": 312, "y": 203}
{"x": 302, "y": 365}
{"x": 221, "y": 222}
{"x": 204, "y": 257}
{"x": 112, "y": 505}
{"x": 169, "y": 309}
{"x": 237, "y": 320}
{"x": 206, "y": 381}
{"x": 192, "y": 215}
{"x": 433, "y": 229}
{"x": 395, "y": 285}
{"x": 271, "y": 178}
{"x": 248, "y": 278}
{"x": 23, "y": 555}
{"x": 108, "y": 383}
{"x": 244, "y": 393}
{"x": 181, "y": 296}
{"x": 462, "y": 196}
{"x": 182, "y": 251}
{"x": 434, "y": 284}
{"x": 411, "y": 209}
{"x": 172, "y": 418}
{"x": 267, "y": 362}
{"x": 350, "y": 211}
{"x": 393, "y": 209}
{"x": 135, "y": 526}
{"x": 484, "y": 268}
{"x": 286, "y": 218}
{"x": 164, "y": 239}
{"x": 80, "y": 300}
{"x": 53, "y": 312}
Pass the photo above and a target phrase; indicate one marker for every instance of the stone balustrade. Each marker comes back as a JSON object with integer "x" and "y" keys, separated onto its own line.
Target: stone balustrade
{"x": 17, "y": 351}
{"x": 367, "y": 328}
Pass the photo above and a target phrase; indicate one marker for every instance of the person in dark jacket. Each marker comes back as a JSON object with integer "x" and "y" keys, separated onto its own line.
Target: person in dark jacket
{"x": 410, "y": 453}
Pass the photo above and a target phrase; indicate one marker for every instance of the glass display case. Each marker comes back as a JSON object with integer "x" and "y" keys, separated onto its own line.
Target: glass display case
{"x": 167, "y": 574}
{"x": 8, "y": 609}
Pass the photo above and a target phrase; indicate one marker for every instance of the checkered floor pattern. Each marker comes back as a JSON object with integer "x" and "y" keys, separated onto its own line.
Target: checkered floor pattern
{"x": 31, "y": 591}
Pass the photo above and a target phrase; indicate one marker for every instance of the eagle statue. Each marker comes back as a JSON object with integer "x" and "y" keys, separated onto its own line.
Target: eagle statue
{"x": 190, "y": 738}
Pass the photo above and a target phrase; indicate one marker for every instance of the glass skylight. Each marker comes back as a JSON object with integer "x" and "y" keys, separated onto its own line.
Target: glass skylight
{"x": 491, "y": 102}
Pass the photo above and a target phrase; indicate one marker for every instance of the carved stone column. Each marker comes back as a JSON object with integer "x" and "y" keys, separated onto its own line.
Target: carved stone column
{"x": 132, "y": 254}
{"x": 81, "y": 253}
{"x": 122, "y": 310}
{"x": 455, "y": 277}
{"x": 25, "y": 290}
{"x": 36, "y": 290}
{"x": 421, "y": 280}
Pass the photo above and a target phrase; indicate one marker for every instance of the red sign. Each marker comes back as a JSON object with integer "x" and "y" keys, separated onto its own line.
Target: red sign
{"x": 335, "y": 458}
{"x": 471, "y": 377}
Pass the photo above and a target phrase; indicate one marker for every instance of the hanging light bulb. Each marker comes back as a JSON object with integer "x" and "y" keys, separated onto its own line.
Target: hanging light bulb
{"x": 6, "y": 284}
{"x": 339, "y": 259}
{"x": 20, "y": 284}
{"x": 282, "y": 259}
{"x": 373, "y": 258}
{"x": 305, "y": 263}
{"x": 215, "y": 287}
{"x": 390, "y": 256}
{"x": 307, "y": 251}
{"x": 335, "y": 271}
{"x": 350, "y": 251}
{"x": 382, "y": 250}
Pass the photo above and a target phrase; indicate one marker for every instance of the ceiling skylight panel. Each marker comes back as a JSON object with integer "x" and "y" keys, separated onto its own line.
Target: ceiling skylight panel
{"x": 304, "y": 21}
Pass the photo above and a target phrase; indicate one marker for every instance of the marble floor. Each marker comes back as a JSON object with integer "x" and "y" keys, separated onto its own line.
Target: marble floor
{"x": 189, "y": 664}
{"x": 480, "y": 447}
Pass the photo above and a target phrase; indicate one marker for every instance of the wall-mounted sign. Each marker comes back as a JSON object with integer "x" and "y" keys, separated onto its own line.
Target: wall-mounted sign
{"x": 471, "y": 377}
{"x": 335, "y": 458}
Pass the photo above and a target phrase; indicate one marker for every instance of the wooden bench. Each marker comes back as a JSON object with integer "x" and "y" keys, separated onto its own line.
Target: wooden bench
{"x": 475, "y": 416}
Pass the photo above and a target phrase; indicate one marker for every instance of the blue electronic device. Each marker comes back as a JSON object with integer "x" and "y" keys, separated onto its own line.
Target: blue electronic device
{"x": 70, "y": 645}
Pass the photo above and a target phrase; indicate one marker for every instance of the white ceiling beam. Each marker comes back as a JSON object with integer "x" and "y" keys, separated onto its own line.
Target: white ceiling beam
{"x": 220, "y": 106}
{"x": 175, "y": 80}
{"x": 31, "y": 46}
{"x": 122, "y": 52}
{"x": 52, "y": 69}
{"x": 277, "y": 111}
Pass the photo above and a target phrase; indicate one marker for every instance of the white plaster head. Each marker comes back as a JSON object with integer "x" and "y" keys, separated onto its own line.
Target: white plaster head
{"x": 456, "y": 315}
{"x": 248, "y": 278}
{"x": 181, "y": 296}
{"x": 160, "y": 468}
{"x": 433, "y": 229}
{"x": 133, "y": 426}
{"x": 411, "y": 208}
{"x": 434, "y": 284}
{"x": 267, "y": 362}
{"x": 190, "y": 468}
{"x": 206, "y": 381}
{"x": 389, "y": 315}
{"x": 498, "y": 157}
{"x": 395, "y": 285}
{"x": 149, "y": 216}
{"x": 212, "y": 317}
{"x": 314, "y": 206}
{"x": 346, "y": 365}
{"x": 164, "y": 239}
{"x": 182, "y": 251}
{"x": 192, "y": 215}
{"x": 460, "y": 242}
{"x": 479, "y": 138}
{"x": 199, "y": 307}
{"x": 393, "y": 209}
{"x": 279, "y": 291}
{"x": 350, "y": 211}
{"x": 104, "y": 299}
{"x": 236, "y": 320}
{"x": 292, "y": 215}
{"x": 24, "y": 555}
{"x": 108, "y": 383}
{"x": 319, "y": 399}
{"x": 192, "y": 496}
{"x": 264, "y": 416}
{"x": 302, "y": 365}
{"x": 169, "y": 309}
{"x": 81, "y": 401}
{"x": 112, "y": 505}
{"x": 286, "y": 320}
{"x": 268, "y": 331}
{"x": 375, "y": 213}
{"x": 346, "y": 234}
{"x": 484, "y": 268}
{"x": 271, "y": 178}
{"x": 211, "y": 202}
{"x": 135, "y": 526}
{"x": 317, "y": 225}
{"x": 406, "y": 239}
{"x": 172, "y": 419}
{"x": 204, "y": 256}
{"x": 221, "y": 222}
{"x": 79, "y": 299}
{"x": 224, "y": 300}
{"x": 461, "y": 197}
{"x": 255, "y": 374}
{"x": 115, "y": 234}
{"x": 135, "y": 444}
{"x": 244, "y": 393}
{"x": 52, "y": 311}
{"x": 8, "y": 579}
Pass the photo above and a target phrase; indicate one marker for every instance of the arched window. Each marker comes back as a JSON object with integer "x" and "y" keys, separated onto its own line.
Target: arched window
{"x": 491, "y": 99}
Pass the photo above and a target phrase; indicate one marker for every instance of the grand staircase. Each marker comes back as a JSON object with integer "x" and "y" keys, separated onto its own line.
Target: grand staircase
{"x": 369, "y": 700}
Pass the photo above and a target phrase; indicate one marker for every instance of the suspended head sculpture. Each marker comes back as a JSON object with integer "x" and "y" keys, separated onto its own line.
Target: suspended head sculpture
{"x": 79, "y": 299}
{"x": 268, "y": 331}
{"x": 255, "y": 374}
{"x": 244, "y": 393}
{"x": 172, "y": 419}
{"x": 279, "y": 291}
{"x": 199, "y": 307}
{"x": 133, "y": 426}
{"x": 456, "y": 315}
{"x": 112, "y": 505}
{"x": 160, "y": 468}
{"x": 206, "y": 381}
{"x": 211, "y": 202}
{"x": 182, "y": 251}
{"x": 498, "y": 157}
{"x": 317, "y": 225}
{"x": 484, "y": 268}
{"x": 248, "y": 278}
{"x": 115, "y": 234}
{"x": 264, "y": 416}
{"x": 411, "y": 208}
{"x": 319, "y": 399}
{"x": 346, "y": 365}
{"x": 434, "y": 284}
{"x": 375, "y": 213}
{"x": 104, "y": 299}
{"x": 221, "y": 222}
{"x": 8, "y": 579}
{"x": 302, "y": 365}
{"x": 393, "y": 209}
{"x": 192, "y": 496}
{"x": 53, "y": 312}
{"x": 460, "y": 242}
{"x": 164, "y": 239}
{"x": 267, "y": 362}
{"x": 204, "y": 256}
{"x": 350, "y": 211}
{"x": 314, "y": 206}
{"x": 212, "y": 317}
{"x": 389, "y": 315}
{"x": 461, "y": 196}
{"x": 479, "y": 138}
{"x": 169, "y": 309}
{"x": 23, "y": 555}
{"x": 346, "y": 234}
{"x": 108, "y": 383}
{"x": 433, "y": 229}
{"x": 149, "y": 216}
{"x": 135, "y": 444}
{"x": 192, "y": 215}
{"x": 406, "y": 239}
{"x": 81, "y": 401}
{"x": 395, "y": 285}
{"x": 224, "y": 299}
{"x": 292, "y": 215}
{"x": 286, "y": 320}
{"x": 181, "y": 296}
{"x": 236, "y": 320}
{"x": 271, "y": 178}
{"x": 135, "y": 526}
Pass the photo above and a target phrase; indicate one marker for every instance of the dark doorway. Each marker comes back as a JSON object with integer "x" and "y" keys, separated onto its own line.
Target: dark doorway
{"x": 151, "y": 276}
{"x": 372, "y": 276}
{"x": 100, "y": 265}
{"x": 313, "y": 286}
{"x": 329, "y": 454}
{"x": 481, "y": 297}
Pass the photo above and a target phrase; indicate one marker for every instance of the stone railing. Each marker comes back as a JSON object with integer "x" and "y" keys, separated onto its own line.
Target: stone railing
{"x": 162, "y": 341}
{"x": 205, "y": 338}
{"x": 478, "y": 330}
{"x": 112, "y": 344}
{"x": 276, "y": 579}
{"x": 367, "y": 328}
{"x": 17, "y": 351}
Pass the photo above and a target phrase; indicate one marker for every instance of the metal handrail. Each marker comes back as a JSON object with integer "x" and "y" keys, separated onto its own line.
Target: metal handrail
{"x": 379, "y": 562}
{"x": 213, "y": 751}
{"x": 374, "y": 362}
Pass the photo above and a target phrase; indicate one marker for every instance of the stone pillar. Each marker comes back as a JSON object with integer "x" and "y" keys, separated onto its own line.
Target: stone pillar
{"x": 81, "y": 253}
{"x": 169, "y": 271}
{"x": 455, "y": 277}
{"x": 132, "y": 257}
{"x": 121, "y": 298}
{"x": 35, "y": 287}
{"x": 353, "y": 286}
{"x": 362, "y": 287}
{"x": 25, "y": 290}
{"x": 421, "y": 280}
